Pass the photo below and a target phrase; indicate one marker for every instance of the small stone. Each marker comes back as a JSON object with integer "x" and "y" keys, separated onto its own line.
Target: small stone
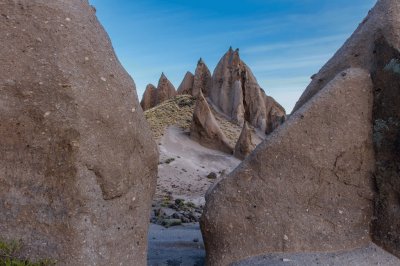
{"x": 103, "y": 79}
{"x": 212, "y": 175}
{"x": 67, "y": 19}
{"x": 171, "y": 222}
{"x": 47, "y": 114}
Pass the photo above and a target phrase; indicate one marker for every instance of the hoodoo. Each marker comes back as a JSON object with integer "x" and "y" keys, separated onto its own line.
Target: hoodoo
{"x": 186, "y": 86}
{"x": 200, "y": 81}
{"x": 152, "y": 97}
{"x": 245, "y": 144}
{"x": 205, "y": 129}
{"x": 236, "y": 93}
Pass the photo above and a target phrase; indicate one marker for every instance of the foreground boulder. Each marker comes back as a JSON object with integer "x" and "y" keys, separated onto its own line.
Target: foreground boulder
{"x": 245, "y": 144}
{"x": 152, "y": 97}
{"x": 316, "y": 170}
{"x": 236, "y": 93}
{"x": 78, "y": 165}
{"x": 375, "y": 46}
{"x": 205, "y": 130}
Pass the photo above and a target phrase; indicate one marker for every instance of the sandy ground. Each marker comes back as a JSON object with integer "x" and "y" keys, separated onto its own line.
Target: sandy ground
{"x": 366, "y": 256}
{"x": 185, "y": 176}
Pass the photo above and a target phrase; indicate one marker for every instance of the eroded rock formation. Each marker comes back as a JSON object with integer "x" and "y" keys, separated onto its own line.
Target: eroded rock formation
{"x": 245, "y": 144}
{"x": 152, "y": 97}
{"x": 186, "y": 86}
{"x": 205, "y": 129}
{"x": 236, "y": 93}
{"x": 149, "y": 99}
{"x": 312, "y": 170}
{"x": 77, "y": 163}
{"x": 200, "y": 81}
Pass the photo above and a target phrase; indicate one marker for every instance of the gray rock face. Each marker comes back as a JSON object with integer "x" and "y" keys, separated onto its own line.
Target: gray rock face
{"x": 236, "y": 93}
{"x": 375, "y": 46}
{"x": 312, "y": 170}
{"x": 152, "y": 97}
{"x": 245, "y": 144}
{"x": 186, "y": 86}
{"x": 205, "y": 129}
{"x": 78, "y": 165}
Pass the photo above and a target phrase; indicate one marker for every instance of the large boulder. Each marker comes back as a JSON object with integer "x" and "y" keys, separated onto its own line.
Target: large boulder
{"x": 236, "y": 93}
{"x": 78, "y": 165}
{"x": 186, "y": 86}
{"x": 307, "y": 187}
{"x": 153, "y": 97}
{"x": 205, "y": 129}
{"x": 375, "y": 46}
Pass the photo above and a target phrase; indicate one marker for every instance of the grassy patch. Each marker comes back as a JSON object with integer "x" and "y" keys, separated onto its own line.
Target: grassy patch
{"x": 9, "y": 257}
{"x": 177, "y": 111}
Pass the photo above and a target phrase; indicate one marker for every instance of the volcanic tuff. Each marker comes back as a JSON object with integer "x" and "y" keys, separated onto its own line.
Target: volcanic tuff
{"x": 200, "y": 81}
{"x": 186, "y": 86}
{"x": 334, "y": 164}
{"x": 311, "y": 170}
{"x": 375, "y": 47}
{"x": 149, "y": 98}
{"x": 205, "y": 129}
{"x": 236, "y": 93}
{"x": 152, "y": 97}
{"x": 78, "y": 166}
{"x": 245, "y": 144}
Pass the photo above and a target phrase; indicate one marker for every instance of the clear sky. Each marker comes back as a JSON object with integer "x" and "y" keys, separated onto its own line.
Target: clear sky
{"x": 284, "y": 42}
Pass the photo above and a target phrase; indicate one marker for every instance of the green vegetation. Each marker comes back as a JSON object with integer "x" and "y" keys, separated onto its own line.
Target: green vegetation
{"x": 9, "y": 257}
{"x": 176, "y": 111}
{"x": 169, "y": 160}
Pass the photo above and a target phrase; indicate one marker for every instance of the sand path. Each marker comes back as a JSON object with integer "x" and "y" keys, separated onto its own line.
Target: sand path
{"x": 185, "y": 176}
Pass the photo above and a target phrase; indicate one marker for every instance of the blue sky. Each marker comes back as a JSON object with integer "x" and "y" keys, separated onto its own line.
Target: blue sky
{"x": 284, "y": 42}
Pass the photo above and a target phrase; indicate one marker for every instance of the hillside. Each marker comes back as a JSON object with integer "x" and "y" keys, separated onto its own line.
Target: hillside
{"x": 178, "y": 111}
